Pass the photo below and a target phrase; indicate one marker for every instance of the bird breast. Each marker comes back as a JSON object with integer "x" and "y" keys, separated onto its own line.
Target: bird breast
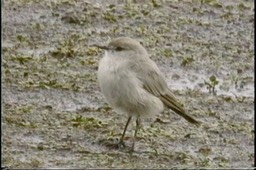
{"x": 123, "y": 90}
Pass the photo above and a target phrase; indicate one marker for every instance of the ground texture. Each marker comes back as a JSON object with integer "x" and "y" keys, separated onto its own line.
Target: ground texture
{"x": 55, "y": 116}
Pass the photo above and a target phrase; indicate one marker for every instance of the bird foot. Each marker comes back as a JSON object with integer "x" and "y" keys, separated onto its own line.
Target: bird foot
{"x": 121, "y": 145}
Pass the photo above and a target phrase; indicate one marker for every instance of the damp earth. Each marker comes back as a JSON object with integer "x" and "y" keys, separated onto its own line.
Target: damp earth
{"x": 54, "y": 115}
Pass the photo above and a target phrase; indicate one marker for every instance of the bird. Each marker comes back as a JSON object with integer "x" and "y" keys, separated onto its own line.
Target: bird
{"x": 133, "y": 84}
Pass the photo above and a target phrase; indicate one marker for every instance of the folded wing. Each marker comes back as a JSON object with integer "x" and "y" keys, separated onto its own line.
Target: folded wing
{"x": 155, "y": 84}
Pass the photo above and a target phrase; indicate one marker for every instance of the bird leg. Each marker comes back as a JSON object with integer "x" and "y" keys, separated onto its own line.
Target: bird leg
{"x": 121, "y": 142}
{"x": 135, "y": 133}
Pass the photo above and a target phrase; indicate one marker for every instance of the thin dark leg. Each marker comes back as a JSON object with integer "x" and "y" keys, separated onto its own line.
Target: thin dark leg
{"x": 135, "y": 133}
{"x": 121, "y": 142}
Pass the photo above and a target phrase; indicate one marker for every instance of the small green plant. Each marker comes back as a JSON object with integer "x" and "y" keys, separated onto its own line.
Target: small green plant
{"x": 211, "y": 84}
{"x": 65, "y": 49}
{"x": 214, "y": 3}
{"x": 168, "y": 53}
{"x": 86, "y": 122}
{"x": 242, "y": 6}
{"x": 21, "y": 38}
{"x": 187, "y": 60}
{"x": 155, "y": 3}
{"x": 22, "y": 59}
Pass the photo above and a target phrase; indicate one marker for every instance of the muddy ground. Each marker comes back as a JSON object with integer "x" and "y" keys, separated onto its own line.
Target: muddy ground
{"x": 54, "y": 115}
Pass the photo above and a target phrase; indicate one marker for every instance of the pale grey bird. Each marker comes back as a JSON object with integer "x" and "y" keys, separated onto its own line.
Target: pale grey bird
{"x": 132, "y": 83}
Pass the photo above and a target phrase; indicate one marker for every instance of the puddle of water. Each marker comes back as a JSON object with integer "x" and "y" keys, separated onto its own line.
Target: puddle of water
{"x": 35, "y": 52}
{"x": 58, "y": 99}
{"x": 32, "y": 139}
{"x": 185, "y": 83}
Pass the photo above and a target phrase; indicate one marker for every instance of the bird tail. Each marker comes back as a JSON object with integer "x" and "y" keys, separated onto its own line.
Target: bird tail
{"x": 170, "y": 101}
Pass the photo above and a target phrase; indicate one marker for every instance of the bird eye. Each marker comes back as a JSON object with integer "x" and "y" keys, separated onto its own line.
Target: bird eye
{"x": 119, "y": 48}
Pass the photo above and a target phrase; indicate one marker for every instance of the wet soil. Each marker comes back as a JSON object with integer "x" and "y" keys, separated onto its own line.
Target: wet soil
{"x": 54, "y": 115}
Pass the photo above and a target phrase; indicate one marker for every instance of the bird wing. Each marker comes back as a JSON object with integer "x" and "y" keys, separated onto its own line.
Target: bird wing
{"x": 153, "y": 81}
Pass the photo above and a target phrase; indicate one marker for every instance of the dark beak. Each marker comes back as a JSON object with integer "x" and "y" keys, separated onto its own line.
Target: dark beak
{"x": 100, "y": 46}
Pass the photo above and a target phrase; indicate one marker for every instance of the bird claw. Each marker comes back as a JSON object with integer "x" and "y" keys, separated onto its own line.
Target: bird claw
{"x": 121, "y": 145}
{"x": 132, "y": 149}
